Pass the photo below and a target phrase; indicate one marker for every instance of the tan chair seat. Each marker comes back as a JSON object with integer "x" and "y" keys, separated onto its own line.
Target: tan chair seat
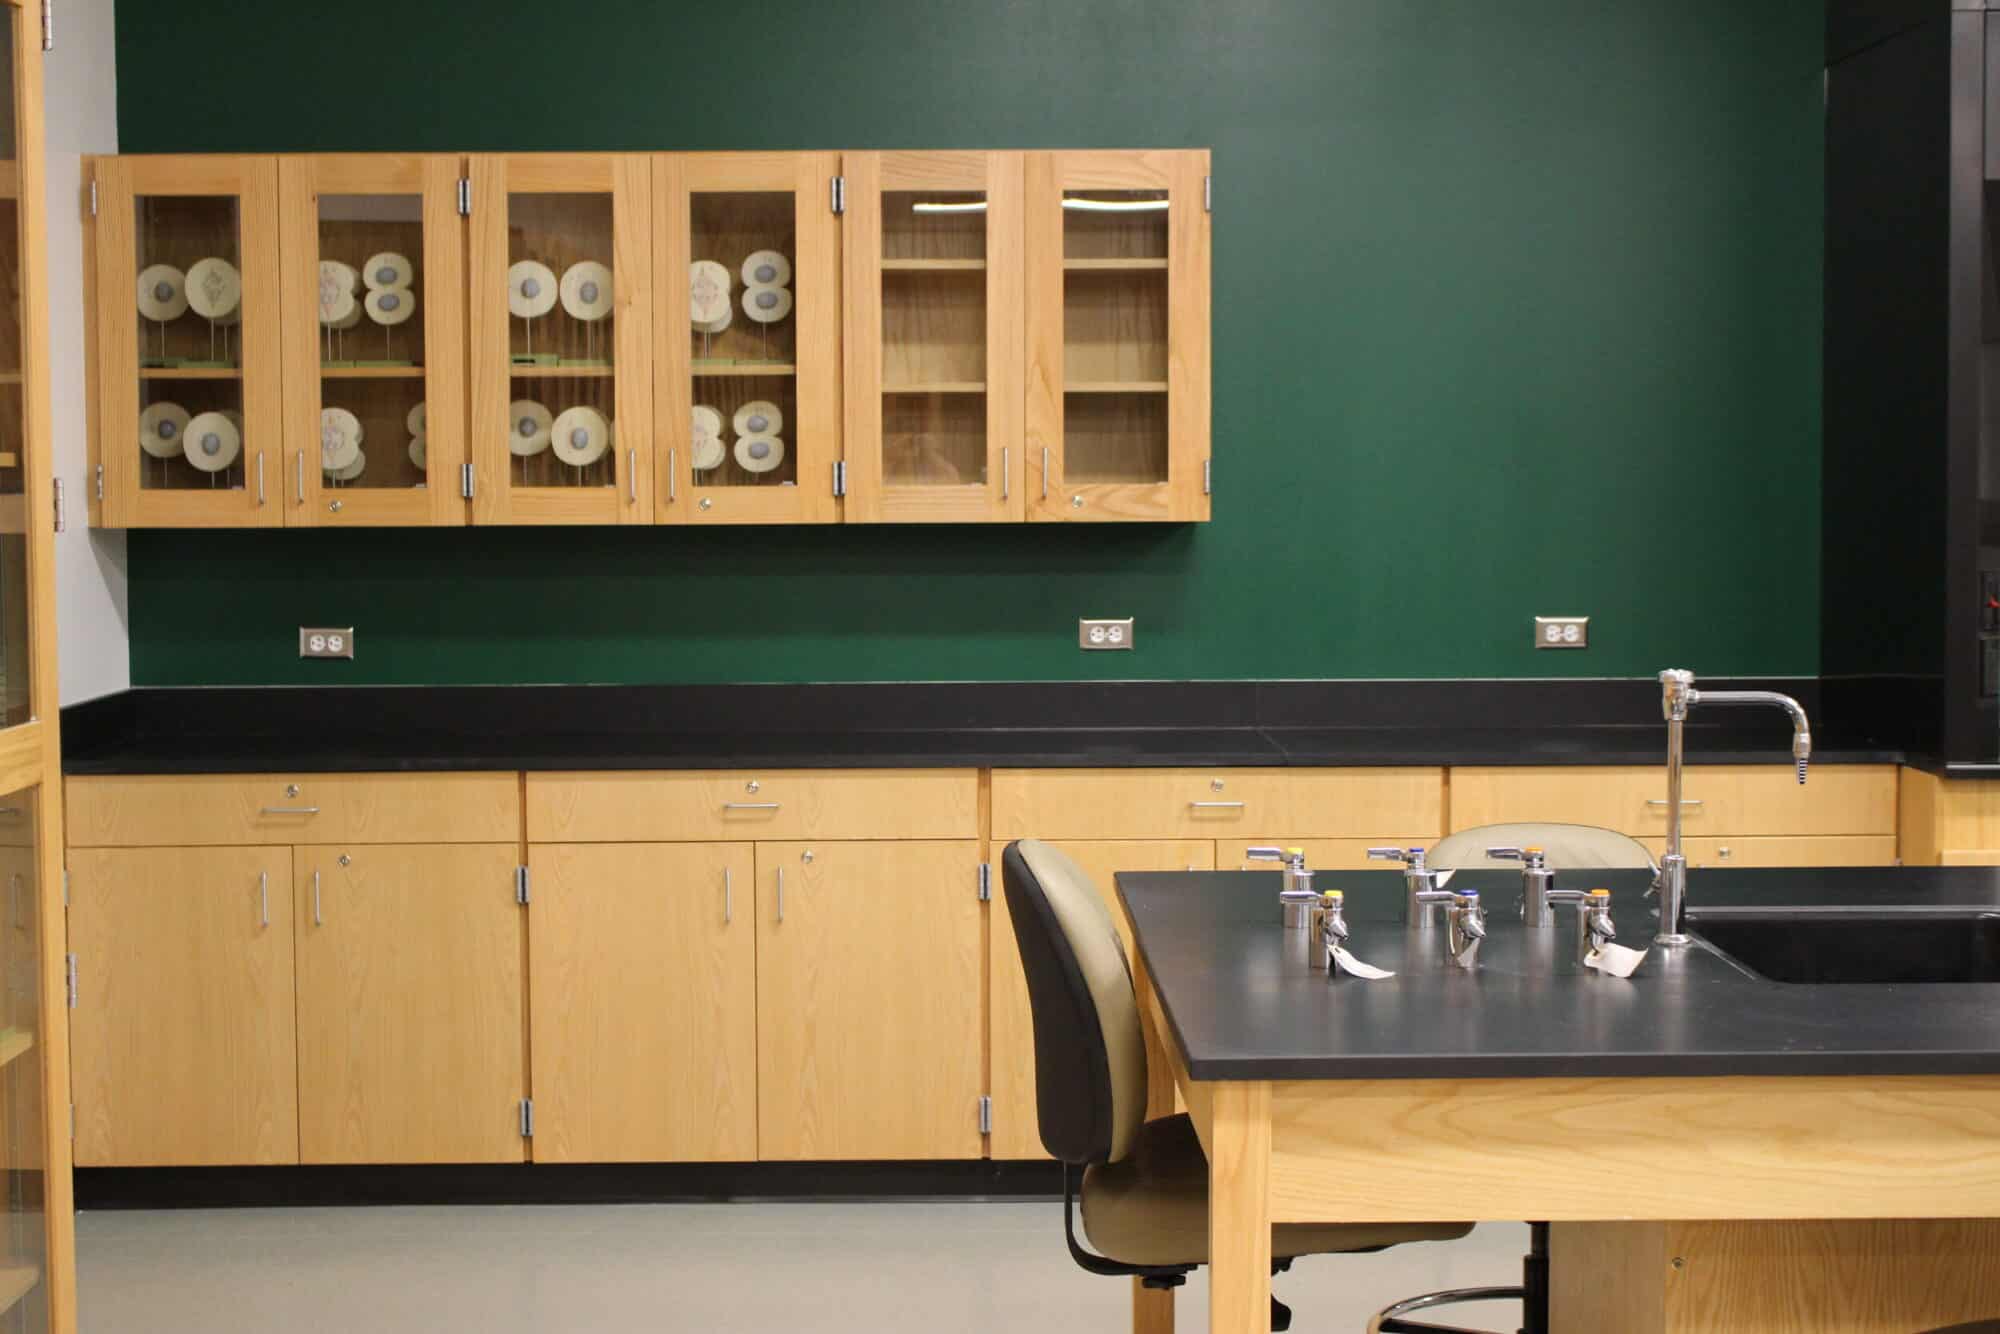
{"x": 1151, "y": 1208}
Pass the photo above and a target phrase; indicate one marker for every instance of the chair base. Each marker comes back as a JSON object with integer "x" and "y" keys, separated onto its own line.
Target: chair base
{"x": 1389, "y": 1320}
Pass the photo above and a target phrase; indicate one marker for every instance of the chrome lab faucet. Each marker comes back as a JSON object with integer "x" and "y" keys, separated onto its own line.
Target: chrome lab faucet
{"x": 1677, "y": 696}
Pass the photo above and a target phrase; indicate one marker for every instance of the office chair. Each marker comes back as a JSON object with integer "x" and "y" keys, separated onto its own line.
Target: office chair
{"x": 1144, "y": 1184}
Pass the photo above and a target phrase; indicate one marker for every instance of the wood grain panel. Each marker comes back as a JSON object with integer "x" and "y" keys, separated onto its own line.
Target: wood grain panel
{"x": 643, "y": 974}
{"x": 1723, "y": 799}
{"x": 1782, "y": 850}
{"x": 722, "y": 805}
{"x": 1747, "y": 1147}
{"x": 184, "y": 810}
{"x": 1016, "y": 1133}
{"x": 869, "y": 1009}
{"x": 1162, "y": 803}
{"x": 1953, "y": 822}
{"x": 409, "y": 1004}
{"x": 1607, "y": 1277}
{"x": 1239, "y": 1210}
{"x": 182, "y": 1037}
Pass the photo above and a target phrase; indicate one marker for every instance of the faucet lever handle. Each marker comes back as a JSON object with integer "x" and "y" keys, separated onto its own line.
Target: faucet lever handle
{"x": 1407, "y": 856}
{"x": 1507, "y": 854}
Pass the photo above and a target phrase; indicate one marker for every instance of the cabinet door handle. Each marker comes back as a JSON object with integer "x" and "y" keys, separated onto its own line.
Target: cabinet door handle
{"x": 317, "y": 919}
{"x": 1685, "y": 801}
{"x": 288, "y": 810}
{"x": 1215, "y": 805}
{"x": 728, "y": 897}
{"x": 260, "y": 477}
{"x": 673, "y": 476}
{"x": 750, "y": 805}
{"x": 1045, "y": 472}
{"x": 301, "y": 492}
{"x": 632, "y": 476}
{"x": 781, "y": 893}
{"x": 1006, "y": 471}
{"x": 263, "y": 898}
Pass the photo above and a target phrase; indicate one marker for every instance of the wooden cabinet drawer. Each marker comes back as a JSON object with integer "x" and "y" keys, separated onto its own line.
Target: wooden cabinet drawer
{"x": 724, "y": 805}
{"x": 1785, "y": 850}
{"x": 208, "y": 810}
{"x": 1213, "y": 803}
{"x": 1721, "y": 799}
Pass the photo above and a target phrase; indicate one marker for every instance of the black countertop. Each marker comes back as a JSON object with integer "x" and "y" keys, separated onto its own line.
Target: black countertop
{"x": 1240, "y": 1009}
{"x": 960, "y": 725}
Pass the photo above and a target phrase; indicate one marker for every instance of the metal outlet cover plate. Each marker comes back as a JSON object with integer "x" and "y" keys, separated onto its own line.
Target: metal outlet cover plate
{"x": 326, "y": 641}
{"x": 1102, "y": 634}
{"x": 1562, "y": 632}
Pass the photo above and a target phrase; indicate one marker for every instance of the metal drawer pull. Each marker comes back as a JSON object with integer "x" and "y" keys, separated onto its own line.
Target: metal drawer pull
{"x": 260, "y": 477}
{"x": 1006, "y": 470}
{"x": 288, "y": 810}
{"x": 1685, "y": 801}
{"x": 302, "y": 477}
{"x": 1215, "y": 805}
{"x": 673, "y": 476}
{"x": 632, "y": 476}
{"x": 781, "y": 893}
{"x": 263, "y": 898}
{"x": 317, "y": 919}
{"x": 750, "y": 805}
{"x": 1045, "y": 472}
{"x": 728, "y": 897}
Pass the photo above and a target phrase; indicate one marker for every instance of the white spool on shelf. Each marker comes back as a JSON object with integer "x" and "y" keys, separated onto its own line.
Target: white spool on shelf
{"x": 528, "y": 424}
{"x": 580, "y": 436}
{"x": 759, "y": 453}
{"x": 211, "y": 441}
{"x": 355, "y": 467}
{"x": 767, "y": 305}
{"x": 351, "y": 316}
{"x": 759, "y": 417}
{"x": 716, "y": 326}
{"x": 708, "y": 295}
{"x": 161, "y": 427}
{"x": 339, "y": 439}
{"x": 418, "y": 424}
{"x": 214, "y": 288}
{"x": 337, "y": 282}
{"x": 337, "y": 308}
{"x": 420, "y": 454}
{"x": 531, "y": 290}
{"x": 390, "y": 305}
{"x": 586, "y": 290}
{"x": 766, "y": 268}
{"x": 162, "y": 293}
{"x": 387, "y": 270}
{"x": 707, "y": 448}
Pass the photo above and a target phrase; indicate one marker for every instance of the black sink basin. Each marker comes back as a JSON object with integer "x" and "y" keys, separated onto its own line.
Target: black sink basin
{"x": 1859, "y": 945}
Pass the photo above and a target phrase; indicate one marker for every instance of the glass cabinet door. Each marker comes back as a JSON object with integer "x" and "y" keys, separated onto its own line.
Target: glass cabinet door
{"x": 24, "y": 1291}
{"x": 374, "y": 321}
{"x": 748, "y": 337}
{"x": 561, "y": 278}
{"x": 1118, "y": 311}
{"x": 934, "y": 337}
{"x": 185, "y": 273}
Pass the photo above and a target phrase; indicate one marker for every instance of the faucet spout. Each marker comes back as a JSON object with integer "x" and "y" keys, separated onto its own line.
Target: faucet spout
{"x": 1801, "y": 729}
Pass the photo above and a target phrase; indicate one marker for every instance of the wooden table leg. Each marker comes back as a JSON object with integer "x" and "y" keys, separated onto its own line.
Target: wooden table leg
{"x": 1239, "y": 1209}
{"x": 1152, "y": 1308}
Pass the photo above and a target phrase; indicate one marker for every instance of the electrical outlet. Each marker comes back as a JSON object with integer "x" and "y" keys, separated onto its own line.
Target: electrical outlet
{"x": 1103, "y": 634}
{"x": 1562, "y": 632}
{"x": 326, "y": 643}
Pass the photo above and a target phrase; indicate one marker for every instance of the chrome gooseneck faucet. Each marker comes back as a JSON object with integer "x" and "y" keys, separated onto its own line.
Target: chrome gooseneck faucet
{"x": 1677, "y": 696}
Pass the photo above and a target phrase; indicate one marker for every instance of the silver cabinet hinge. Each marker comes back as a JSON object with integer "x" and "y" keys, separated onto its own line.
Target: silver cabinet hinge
{"x": 72, "y": 1120}
{"x": 839, "y": 194}
{"x": 61, "y": 521}
{"x": 1208, "y": 477}
{"x": 985, "y": 1116}
{"x": 65, "y": 886}
{"x": 92, "y": 202}
{"x": 100, "y": 481}
{"x": 69, "y": 976}
{"x": 1208, "y": 194}
{"x": 465, "y": 196}
{"x": 48, "y": 25}
{"x": 527, "y": 1118}
{"x": 985, "y": 881}
{"x": 521, "y": 885}
{"x": 465, "y": 480}
{"x": 839, "y": 478}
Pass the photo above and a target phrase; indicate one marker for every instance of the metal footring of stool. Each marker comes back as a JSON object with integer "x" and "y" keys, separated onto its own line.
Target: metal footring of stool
{"x": 1389, "y": 1320}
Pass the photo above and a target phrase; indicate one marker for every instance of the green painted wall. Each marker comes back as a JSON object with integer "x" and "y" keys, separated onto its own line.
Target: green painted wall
{"x": 1516, "y": 310}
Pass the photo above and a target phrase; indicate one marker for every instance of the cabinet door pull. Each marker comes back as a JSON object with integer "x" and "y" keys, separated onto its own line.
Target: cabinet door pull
{"x": 288, "y": 810}
{"x": 632, "y": 476}
{"x": 750, "y": 805}
{"x": 301, "y": 493}
{"x": 263, "y": 898}
{"x": 728, "y": 897}
{"x": 317, "y": 919}
{"x": 260, "y": 478}
{"x": 1685, "y": 801}
{"x": 781, "y": 893}
{"x": 1045, "y": 472}
{"x": 1215, "y": 805}
{"x": 1006, "y": 471}
{"x": 673, "y": 477}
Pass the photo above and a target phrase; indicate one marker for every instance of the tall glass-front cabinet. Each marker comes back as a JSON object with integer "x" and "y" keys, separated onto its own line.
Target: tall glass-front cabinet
{"x": 37, "y": 1269}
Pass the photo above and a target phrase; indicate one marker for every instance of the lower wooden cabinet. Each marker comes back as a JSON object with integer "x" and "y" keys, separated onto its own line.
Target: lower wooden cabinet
{"x": 1783, "y": 850}
{"x": 410, "y": 1004}
{"x": 1016, "y": 1133}
{"x": 181, "y": 1042}
{"x": 643, "y": 963}
{"x": 870, "y": 1010}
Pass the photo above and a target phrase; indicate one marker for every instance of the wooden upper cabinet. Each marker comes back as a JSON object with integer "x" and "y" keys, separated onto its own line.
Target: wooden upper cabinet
{"x": 561, "y": 338}
{"x": 1118, "y": 335}
{"x": 187, "y": 357}
{"x": 934, "y": 331}
{"x": 373, "y": 302}
{"x": 747, "y": 333}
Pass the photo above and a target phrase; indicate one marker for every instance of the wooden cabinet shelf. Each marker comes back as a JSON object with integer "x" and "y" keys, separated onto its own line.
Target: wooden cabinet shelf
{"x": 190, "y": 372}
{"x": 937, "y": 387}
{"x": 726, "y": 369}
{"x": 1140, "y": 265}
{"x": 14, "y": 1044}
{"x": 933, "y": 266}
{"x": 16, "y": 1282}
{"x": 371, "y": 372}
{"x": 522, "y": 371}
{"x": 1116, "y": 387}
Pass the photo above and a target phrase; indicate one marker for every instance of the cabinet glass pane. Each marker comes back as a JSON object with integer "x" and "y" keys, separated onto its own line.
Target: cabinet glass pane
{"x": 14, "y": 654}
{"x": 933, "y": 338}
{"x": 1115, "y": 336}
{"x": 371, "y": 340}
{"x": 23, "y": 1245}
{"x": 741, "y": 289}
{"x": 561, "y": 427}
{"x": 189, "y": 315}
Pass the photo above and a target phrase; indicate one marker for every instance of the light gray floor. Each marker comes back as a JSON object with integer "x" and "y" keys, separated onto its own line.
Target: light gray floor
{"x": 971, "y": 1267}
